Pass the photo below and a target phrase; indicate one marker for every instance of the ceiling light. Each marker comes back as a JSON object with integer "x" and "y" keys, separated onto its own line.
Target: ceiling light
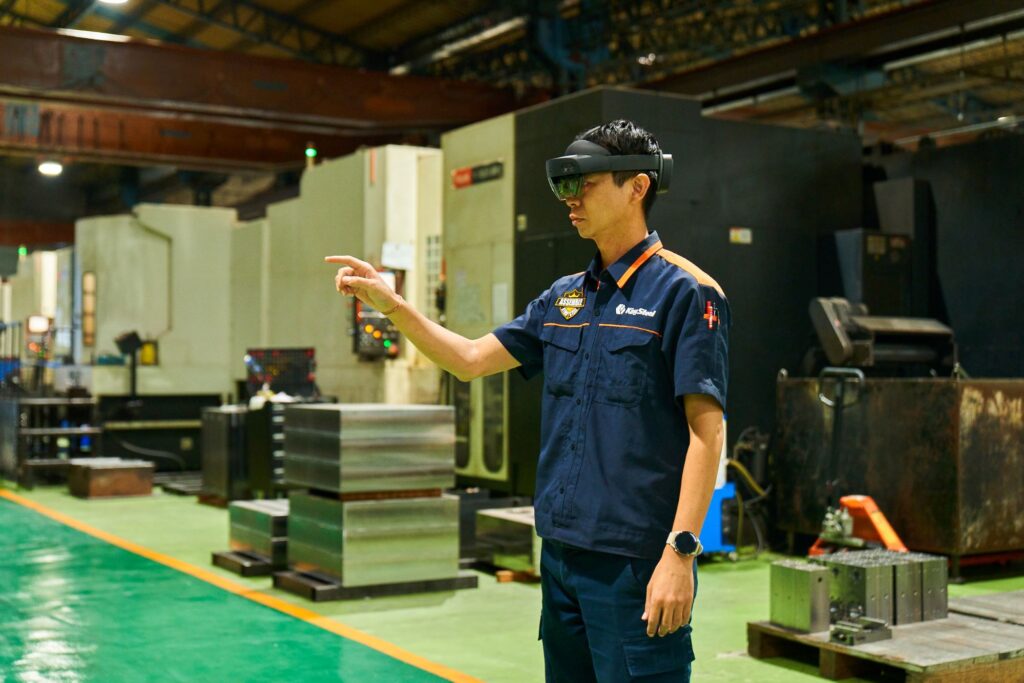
{"x": 93, "y": 35}
{"x": 113, "y": 2}
{"x": 51, "y": 168}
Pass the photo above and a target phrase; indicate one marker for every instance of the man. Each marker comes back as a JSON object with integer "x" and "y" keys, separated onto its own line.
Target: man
{"x": 635, "y": 362}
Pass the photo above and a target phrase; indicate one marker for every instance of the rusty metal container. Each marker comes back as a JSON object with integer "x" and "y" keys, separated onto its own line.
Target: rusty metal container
{"x": 943, "y": 458}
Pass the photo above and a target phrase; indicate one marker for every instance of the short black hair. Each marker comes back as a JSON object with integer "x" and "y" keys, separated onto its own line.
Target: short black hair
{"x": 625, "y": 137}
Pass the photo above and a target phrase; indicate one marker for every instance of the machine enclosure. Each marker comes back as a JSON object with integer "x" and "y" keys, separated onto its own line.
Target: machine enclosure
{"x": 940, "y": 457}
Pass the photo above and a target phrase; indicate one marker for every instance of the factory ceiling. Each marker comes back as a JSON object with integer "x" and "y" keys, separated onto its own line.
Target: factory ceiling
{"x": 244, "y": 84}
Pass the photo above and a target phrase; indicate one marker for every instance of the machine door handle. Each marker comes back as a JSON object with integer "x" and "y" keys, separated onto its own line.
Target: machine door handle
{"x": 842, "y": 375}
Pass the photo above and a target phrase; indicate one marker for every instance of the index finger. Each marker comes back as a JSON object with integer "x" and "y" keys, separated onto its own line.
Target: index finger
{"x": 654, "y": 617}
{"x": 347, "y": 260}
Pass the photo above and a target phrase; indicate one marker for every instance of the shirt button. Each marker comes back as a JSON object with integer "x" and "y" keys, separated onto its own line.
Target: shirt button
{"x": 561, "y": 489}
{"x": 586, "y": 356}
{"x": 578, "y": 402}
{"x": 572, "y": 447}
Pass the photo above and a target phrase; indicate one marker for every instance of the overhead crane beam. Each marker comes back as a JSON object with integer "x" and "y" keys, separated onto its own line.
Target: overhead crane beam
{"x": 15, "y": 232}
{"x": 179, "y": 80}
{"x": 238, "y": 111}
{"x": 139, "y": 138}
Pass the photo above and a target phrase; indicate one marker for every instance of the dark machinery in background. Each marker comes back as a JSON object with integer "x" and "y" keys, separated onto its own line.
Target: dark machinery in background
{"x": 938, "y": 452}
{"x": 940, "y": 456}
{"x": 288, "y": 370}
{"x": 852, "y": 338}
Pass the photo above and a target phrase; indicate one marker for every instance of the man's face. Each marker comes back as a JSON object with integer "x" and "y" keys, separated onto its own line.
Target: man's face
{"x": 601, "y": 205}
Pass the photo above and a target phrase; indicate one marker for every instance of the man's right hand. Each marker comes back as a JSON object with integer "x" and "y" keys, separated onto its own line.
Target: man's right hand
{"x": 361, "y": 280}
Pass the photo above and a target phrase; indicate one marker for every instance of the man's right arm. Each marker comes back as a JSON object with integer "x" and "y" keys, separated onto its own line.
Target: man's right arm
{"x": 465, "y": 358}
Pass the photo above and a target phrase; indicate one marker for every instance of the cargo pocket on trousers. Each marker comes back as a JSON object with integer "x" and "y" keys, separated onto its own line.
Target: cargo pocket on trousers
{"x": 649, "y": 656}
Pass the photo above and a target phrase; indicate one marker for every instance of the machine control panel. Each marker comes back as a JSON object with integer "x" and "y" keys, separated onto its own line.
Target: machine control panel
{"x": 374, "y": 335}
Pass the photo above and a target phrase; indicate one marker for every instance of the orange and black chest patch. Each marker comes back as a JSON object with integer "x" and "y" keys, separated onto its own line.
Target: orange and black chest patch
{"x": 571, "y": 303}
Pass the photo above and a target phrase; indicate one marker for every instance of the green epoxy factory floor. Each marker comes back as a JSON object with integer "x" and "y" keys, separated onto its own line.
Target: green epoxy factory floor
{"x": 76, "y": 608}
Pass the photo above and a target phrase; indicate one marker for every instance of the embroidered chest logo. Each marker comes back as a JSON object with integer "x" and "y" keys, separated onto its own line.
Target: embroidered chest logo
{"x": 571, "y": 303}
{"x": 711, "y": 315}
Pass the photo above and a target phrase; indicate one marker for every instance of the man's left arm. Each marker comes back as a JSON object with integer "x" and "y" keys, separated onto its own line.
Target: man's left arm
{"x": 696, "y": 346}
{"x": 670, "y": 591}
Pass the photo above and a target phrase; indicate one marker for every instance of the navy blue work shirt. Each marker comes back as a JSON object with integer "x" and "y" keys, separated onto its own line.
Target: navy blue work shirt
{"x": 619, "y": 349}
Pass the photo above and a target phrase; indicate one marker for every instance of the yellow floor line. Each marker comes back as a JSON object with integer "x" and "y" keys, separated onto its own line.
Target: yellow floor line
{"x": 309, "y": 616}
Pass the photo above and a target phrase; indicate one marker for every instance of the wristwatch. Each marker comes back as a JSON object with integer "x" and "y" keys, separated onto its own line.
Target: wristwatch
{"x": 685, "y": 543}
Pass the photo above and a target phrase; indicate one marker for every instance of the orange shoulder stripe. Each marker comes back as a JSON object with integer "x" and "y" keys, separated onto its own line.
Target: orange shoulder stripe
{"x": 687, "y": 265}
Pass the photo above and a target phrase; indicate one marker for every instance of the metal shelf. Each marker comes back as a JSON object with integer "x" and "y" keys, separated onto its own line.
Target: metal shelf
{"x": 59, "y": 431}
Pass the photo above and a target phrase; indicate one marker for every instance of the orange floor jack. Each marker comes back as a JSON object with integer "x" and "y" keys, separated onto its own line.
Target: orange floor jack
{"x": 857, "y": 522}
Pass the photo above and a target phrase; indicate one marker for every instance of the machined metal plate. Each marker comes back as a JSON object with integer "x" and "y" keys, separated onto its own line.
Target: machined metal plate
{"x": 355, "y": 448}
{"x": 800, "y": 596}
{"x": 372, "y": 542}
{"x": 861, "y": 585}
{"x": 508, "y": 537}
{"x": 260, "y": 526}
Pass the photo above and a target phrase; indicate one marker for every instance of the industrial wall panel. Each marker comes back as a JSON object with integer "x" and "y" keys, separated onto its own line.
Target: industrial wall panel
{"x": 978, "y": 204}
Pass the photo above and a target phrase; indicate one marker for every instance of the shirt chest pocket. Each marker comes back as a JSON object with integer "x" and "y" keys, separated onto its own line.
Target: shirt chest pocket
{"x": 561, "y": 366}
{"x": 628, "y": 357}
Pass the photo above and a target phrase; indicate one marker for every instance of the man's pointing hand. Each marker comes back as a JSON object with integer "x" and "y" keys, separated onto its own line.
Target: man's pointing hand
{"x": 360, "y": 279}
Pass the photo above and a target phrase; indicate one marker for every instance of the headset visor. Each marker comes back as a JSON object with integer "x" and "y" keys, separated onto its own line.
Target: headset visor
{"x": 565, "y": 173}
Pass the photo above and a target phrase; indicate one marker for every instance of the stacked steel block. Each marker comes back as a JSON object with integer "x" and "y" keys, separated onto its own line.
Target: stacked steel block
{"x": 509, "y": 537}
{"x": 372, "y": 511}
{"x": 260, "y": 527}
{"x": 799, "y": 595}
{"x": 891, "y": 587}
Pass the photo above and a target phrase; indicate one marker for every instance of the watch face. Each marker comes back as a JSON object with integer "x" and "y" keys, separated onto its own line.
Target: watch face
{"x": 686, "y": 543}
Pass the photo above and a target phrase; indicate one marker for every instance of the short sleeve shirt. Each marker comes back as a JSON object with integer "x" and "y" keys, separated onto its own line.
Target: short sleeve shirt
{"x": 618, "y": 349}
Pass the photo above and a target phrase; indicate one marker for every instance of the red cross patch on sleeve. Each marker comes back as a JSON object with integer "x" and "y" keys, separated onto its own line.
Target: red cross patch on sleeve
{"x": 711, "y": 315}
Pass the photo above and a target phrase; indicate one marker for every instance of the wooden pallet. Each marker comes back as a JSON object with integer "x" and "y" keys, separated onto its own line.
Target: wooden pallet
{"x": 1005, "y": 607}
{"x": 960, "y": 649}
{"x": 510, "y": 576}
{"x": 244, "y": 563}
{"x": 322, "y": 588}
{"x": 213, "y": 500}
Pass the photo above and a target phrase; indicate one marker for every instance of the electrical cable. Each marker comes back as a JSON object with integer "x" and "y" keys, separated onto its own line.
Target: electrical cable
{"x": 747, "y": 477}
{"x": 152, "y": 453}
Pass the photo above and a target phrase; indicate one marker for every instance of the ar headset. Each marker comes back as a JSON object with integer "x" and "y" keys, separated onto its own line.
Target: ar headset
{"x": 565, "y": 173}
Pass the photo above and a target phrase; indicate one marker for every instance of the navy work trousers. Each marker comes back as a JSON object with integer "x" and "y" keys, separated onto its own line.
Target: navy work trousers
{"x": 590, "y": 622}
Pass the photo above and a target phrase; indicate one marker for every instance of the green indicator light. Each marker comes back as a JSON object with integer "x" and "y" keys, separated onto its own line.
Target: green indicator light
{"x": 23, "y": 250}
{"x": 387, "y": 343}
{"x": 311, "y": 152}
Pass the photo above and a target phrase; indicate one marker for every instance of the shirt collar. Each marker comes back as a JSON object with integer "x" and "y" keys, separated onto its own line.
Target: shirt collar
{"x": 623, "y": 269}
